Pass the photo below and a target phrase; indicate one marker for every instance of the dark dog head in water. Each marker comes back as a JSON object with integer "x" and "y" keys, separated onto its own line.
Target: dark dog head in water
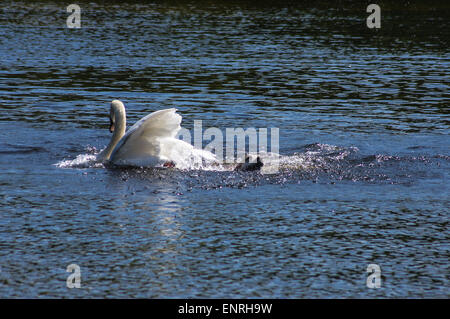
{"x": 247, "y": 166}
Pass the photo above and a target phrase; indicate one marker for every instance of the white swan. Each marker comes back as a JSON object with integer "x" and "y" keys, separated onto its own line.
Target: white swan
{"x": 150, "y": 142}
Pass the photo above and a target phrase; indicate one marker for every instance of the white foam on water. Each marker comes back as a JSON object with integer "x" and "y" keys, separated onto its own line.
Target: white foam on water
{"x": 203, "y": 160}
{"x": 81, "y": 161}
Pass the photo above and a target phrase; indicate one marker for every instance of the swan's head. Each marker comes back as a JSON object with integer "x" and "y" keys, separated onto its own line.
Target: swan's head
{"x": 117, "y": 107}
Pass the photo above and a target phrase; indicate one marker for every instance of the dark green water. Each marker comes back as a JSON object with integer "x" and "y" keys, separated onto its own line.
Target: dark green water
{"x": 367, "y": 110}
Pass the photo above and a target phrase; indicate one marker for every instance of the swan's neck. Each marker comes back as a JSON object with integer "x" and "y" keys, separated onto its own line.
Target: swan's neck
{"x": 119, "y": 131}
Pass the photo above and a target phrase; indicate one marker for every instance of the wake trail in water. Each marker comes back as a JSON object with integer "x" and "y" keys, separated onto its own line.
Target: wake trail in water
{"x": 316, "y": 162}
{"x": 8, "y": 148}
{"x": 315, "y": 157}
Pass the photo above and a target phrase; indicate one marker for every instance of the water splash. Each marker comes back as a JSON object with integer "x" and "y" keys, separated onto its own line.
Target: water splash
{"x": 316, "y": 156}
{"x": 81, "y": 161}
{"x": 316, "y": 163}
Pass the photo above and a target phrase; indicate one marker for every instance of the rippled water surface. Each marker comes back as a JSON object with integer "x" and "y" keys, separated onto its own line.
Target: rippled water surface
{"x": 363, "y": 117}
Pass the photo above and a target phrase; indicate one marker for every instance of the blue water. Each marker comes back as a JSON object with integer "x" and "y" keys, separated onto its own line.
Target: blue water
{"x": 367, "y": 110}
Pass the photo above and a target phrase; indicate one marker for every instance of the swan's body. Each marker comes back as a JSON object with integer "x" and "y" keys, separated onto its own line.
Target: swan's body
{"x": 150, "y": 142}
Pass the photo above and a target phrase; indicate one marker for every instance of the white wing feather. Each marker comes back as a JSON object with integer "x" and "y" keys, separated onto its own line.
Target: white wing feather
{"x": 141, "y": 145}
{"x": 152, "y": 141}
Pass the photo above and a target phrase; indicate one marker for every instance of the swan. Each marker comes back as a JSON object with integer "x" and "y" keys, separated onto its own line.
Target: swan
{"x": 150, "y": 142}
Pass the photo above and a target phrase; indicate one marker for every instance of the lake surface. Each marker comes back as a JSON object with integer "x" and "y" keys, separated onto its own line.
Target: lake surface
{"x": 366, "y": 111}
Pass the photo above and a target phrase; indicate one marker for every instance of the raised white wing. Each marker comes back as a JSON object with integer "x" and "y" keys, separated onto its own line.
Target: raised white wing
{"x": 162, "y": 123}
{"x": 142, "y": 142}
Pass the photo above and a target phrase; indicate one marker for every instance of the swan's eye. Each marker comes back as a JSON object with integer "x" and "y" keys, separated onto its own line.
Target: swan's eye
{"x": 111, "y": 124}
